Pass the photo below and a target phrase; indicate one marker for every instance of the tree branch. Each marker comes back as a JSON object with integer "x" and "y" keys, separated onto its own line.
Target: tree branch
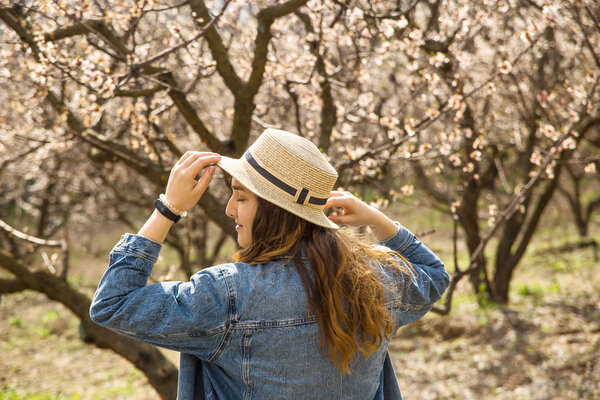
{"x": 395, "y": 15}
{"x": 189, "y": 114}
{"x": 590, "y": 46}
{"x": 120, "y": 152}
{"x": 266, "y": 17}
{"x": 32, "y": 239}
{"x": 22, "y": 154}
{"x": 8, "y": 286}
{"x": 138, "y": 92}
{"x": 101, "y": 31}
{"x": 173, "y": 49}
{"x": 328, "y": 111}
{"x": 244, "y": 98}
{"x": 427, "y": 184}
{"x": 145, "y": 167}
{"x": 218, "y": 50}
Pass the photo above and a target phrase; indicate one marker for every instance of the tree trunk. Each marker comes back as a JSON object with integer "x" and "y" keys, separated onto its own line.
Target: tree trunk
{"x": 506, "y": 258}
{"x": 468, "y": 220}
{"x": 502, "y": 278}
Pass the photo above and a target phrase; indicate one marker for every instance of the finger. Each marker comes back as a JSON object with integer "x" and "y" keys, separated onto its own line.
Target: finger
{"x": 336, "y": 193}
{"x": 340, "y": 219}
{"x": 344, "y": 202}
{"x": 184, "y": 157}
{"x": 203, "y": 162}
{"x": 195, "y": 156}
{"x": 192, "y": 158}
{"x": 204, "y": 181}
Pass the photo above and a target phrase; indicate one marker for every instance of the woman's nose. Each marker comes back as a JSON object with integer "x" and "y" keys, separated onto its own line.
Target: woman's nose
{"x": 229, "y": 210}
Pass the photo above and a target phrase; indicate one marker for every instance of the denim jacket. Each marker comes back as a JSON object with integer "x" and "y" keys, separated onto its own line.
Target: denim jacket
{"x": 245, "y": 331}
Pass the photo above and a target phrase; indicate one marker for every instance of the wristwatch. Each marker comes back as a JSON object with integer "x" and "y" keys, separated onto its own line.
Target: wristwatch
{"x": 165, "y": 211}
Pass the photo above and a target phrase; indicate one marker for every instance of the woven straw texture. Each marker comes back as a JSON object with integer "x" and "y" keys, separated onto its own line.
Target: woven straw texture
{"x": 295, "y": 161}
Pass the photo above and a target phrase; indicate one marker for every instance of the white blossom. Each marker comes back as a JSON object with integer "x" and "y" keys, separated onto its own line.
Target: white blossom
{"x": 505, "y": 67}
{"x": 590, "y": 168}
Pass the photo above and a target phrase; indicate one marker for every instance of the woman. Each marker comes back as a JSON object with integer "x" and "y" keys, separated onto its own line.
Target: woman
{"x": 305, "y": 311}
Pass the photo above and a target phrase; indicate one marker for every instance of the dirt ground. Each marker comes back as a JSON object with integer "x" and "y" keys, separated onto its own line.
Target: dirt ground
{"x": 544, "y": 345}
{"x": 547, "y": 348}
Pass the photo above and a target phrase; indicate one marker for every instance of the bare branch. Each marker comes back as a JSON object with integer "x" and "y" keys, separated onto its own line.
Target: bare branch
{"x": 32, "y": 239}
{"x": 63, "y": 244}
{"x": 22, "y": 154}
{"x": 138, "y": 92}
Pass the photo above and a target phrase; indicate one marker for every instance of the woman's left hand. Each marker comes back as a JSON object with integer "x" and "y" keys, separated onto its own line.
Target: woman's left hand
{"x": 183, "y": 190}
{"x": 355, "y": 211}
{"x": 358, "y": 213}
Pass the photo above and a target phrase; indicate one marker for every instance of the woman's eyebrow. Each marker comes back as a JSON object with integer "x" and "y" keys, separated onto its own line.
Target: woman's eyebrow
{"x": 240, "y": 188}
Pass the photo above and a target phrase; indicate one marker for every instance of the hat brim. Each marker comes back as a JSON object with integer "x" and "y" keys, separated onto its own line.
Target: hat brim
{"x": 255, "y": 183}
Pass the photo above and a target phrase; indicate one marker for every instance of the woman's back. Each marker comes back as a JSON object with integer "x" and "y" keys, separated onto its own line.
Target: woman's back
{"x": 273, "y": 347}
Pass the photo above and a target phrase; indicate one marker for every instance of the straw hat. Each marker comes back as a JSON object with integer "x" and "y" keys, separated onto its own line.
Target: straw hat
{"x": 288, "y": 171}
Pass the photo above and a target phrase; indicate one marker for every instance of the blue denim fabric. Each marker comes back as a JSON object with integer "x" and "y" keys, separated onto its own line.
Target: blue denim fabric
{"x": 245, "y": 331}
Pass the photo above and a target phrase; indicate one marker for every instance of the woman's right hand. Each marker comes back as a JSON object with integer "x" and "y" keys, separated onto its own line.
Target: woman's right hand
{"x": 358, "y": 213}
{"x": 183, "y": 190}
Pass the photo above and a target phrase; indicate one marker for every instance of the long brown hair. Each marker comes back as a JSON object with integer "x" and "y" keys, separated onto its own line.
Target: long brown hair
{"x": 346, "y": 295}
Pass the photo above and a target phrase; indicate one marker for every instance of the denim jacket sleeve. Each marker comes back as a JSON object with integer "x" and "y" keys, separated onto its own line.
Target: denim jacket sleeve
{"x": 428, "y": 278}
{"x": 183, "y": 316}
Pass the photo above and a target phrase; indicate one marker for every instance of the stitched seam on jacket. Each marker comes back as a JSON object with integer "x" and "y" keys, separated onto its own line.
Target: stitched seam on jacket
{"x": 232, "y": 315}
{"x": 275, "y": 324}
{"x": 176, "y": 335}
{"x": 246, "y": 364}
{"x": 131, "y": 251}
{"x": 406, "y": 243}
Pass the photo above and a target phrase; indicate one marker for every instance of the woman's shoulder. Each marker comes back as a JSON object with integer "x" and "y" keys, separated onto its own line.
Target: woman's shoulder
{"x": 257, "y": 288}
{"x": 231, "y": 269}
{"x": 241, "y": 269}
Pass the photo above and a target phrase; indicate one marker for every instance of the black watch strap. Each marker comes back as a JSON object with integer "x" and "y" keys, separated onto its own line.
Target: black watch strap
{"x": 165, "y": 211}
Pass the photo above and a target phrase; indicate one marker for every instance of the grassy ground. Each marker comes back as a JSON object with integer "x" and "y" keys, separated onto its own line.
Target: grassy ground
{"x": 544, "y": 345}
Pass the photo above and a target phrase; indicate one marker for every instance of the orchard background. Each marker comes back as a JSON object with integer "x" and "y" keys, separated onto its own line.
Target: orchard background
{"x": 475, "y": 123}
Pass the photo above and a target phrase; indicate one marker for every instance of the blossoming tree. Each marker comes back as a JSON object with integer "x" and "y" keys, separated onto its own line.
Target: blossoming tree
{"x": 478, "y": 106}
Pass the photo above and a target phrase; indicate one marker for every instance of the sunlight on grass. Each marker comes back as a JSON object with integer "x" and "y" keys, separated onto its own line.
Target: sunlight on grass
{"x": 119, "y": 383}
{"x": 50, "y": 316}
{"x": 122, "y": 389}
{"x": 12, "y": 395}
